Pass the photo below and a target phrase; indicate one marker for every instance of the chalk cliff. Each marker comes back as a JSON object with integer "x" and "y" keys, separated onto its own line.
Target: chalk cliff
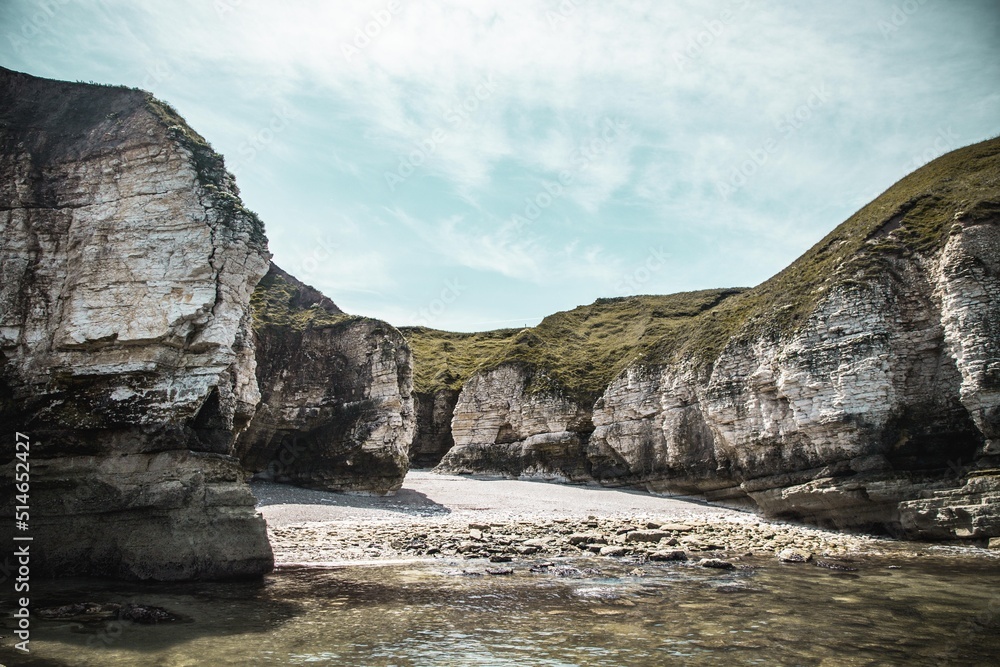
{"x": 859, "y": 388}
{"x": 128, "y": 261}
{"x": 337, "y": 409}
{"x": 504, "y": 424}
{"x": 525, "y": 409}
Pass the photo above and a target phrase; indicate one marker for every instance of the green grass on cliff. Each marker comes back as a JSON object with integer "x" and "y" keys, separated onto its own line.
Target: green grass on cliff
{"x": 446, "y": 359}
{"x": 209, "y": 165}
{"x": 579, "y": 351}
{"x": 282, "y": 301}
{"x": 914, "y": 216}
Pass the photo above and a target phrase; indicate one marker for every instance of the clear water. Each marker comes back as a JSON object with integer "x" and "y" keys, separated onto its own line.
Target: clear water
{"x": 933, "y": 611}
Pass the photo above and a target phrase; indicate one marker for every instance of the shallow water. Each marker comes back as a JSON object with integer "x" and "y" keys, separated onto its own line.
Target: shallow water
{"x": 934, "y": 610}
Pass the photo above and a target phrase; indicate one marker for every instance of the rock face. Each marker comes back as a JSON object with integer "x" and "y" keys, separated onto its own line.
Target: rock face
{"x": 337, "y": 409}
{"x": 878, "y": 412}
{"x": 858, "y": 389}
{"x": 525, "y": 395}
{"x": 503, "y": 425}
{"x": 837, "y": 424}
{"x": 128, "y": 262}
{"x": 968, "y": 511}
{"x": 432, "y": 439}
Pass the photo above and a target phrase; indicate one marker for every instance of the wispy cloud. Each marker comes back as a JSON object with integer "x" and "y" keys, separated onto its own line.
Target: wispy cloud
{"x": 506, "y": 250}
{"x": 702, "y": 85}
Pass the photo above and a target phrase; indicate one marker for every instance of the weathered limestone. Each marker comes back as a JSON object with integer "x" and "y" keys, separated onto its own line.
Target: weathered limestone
{"x": 871, "y": 405}
{"x": 966, "y": 512}
{"x": 969, "y": 291}
{"x": 337, "y": 409}
{"x": 500, "y": 426}
{"x": 168, "y": 515}
{"x": 874, "y": 405}
{"x": 127, "y": 264}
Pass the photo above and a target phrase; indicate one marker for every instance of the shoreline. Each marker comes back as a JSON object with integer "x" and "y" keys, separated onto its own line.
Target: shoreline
{"x": 439, "y": 518}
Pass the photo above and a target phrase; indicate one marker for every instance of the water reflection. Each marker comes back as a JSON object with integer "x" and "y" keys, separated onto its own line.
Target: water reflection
{"x": 589, "y": 612}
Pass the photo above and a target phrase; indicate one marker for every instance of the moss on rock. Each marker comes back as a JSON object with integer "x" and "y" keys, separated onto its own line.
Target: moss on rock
{"x": 576, "y": 352}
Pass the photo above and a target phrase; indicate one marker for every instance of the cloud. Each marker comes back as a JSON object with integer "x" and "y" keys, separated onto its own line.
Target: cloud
{"x": 509, "y": 250}
{"x": 495, "y": 100}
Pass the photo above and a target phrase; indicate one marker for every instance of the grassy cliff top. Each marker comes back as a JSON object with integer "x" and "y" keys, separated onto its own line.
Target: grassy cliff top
{"x": 281, "y": 300}
{"x": 446, "y": 359}
{"x": 914, "y": 216}
{"x": 578, "y": 351}
{"x": 210, "y": 167}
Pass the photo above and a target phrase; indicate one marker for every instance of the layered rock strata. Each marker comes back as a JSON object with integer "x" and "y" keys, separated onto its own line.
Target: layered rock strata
{"x": 857, "y": 389}
{"x": 503, "y": 425}
{"x": 337, "y": 409}
{"x": 838, "y": 424}
{"x": 128, "y": 261}
{"x": 878, "y": 412}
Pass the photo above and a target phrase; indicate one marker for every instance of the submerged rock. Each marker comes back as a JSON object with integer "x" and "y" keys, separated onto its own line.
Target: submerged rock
{"x": 94, "y": 611}
{"x": 716, "y": 564}
{"x": 794, "y": 556}
{"x": 833, "y": 565}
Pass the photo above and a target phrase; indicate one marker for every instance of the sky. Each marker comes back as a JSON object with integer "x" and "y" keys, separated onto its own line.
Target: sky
{"x": 479, "y": 165}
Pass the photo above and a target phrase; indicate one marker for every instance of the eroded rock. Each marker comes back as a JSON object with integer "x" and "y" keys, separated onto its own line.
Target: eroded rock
{"x": 503, "y": 425}
{"x": 337, "y": 410}
{"x": 432, "y": 437}
{"x": 128, "y": 261}
{"x": 876, "y": 411}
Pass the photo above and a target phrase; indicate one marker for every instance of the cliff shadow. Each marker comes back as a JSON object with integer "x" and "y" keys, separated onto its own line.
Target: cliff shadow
{"x": 200, "y": 611}
{"x": 404, "y": 501}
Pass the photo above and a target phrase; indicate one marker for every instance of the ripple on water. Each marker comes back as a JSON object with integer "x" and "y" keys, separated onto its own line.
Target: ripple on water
{"x": 431, "y": 614}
